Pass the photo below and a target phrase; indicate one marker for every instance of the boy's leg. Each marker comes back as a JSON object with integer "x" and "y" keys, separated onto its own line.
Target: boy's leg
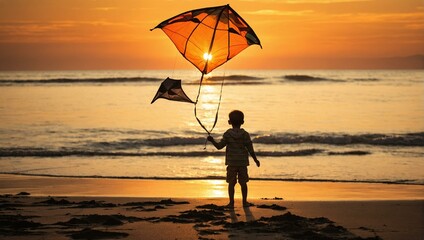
{"x": 231, "y": 180}
{"x": 231, "y": 193}
{"x": 244, "y": 192}
{"x": 243, "y": 177}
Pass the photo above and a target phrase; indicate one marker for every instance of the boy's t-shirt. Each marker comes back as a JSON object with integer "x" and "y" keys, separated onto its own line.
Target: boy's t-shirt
{"x": 236, "y": 152}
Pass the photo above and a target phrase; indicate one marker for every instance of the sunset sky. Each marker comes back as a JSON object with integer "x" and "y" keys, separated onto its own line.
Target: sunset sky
{"x": 295, "y": 34}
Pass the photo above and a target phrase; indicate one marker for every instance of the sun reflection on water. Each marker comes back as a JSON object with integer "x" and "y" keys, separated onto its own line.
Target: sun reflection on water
{"x": 208, "y": 104}
{"x": 213, "y": 160}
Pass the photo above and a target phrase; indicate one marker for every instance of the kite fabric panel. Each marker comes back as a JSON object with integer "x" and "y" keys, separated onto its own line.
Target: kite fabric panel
{"x": 171, "y": 89}
{"x": 209, "y": 37}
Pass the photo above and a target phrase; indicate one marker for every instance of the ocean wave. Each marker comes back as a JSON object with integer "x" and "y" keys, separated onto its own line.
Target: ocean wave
{"x": 80, "y": 81}
{"x": 89, "y": 142}
{"x": 357, "y": 153}
{"x": 409, "y": 139}
{"x": 214, "y": 80}
{"x": 234, "y": 78}
{"x": 231, "y": 83}
{"x": 384, "y": 181}
{"x": 174, "y": 141}
{"x": 365, "y": 79}
{"x": 135, "y": 143}
{"x": 307, "y": 78}
{"x": 40, "y": 152}
{"x": 231, "y": 80}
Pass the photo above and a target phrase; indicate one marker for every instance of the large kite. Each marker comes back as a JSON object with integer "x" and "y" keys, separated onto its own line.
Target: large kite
{"x": 208, "y": 38}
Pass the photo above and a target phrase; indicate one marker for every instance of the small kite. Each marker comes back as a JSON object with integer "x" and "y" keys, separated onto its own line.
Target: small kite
{"x": 208, "y": 38}
{"x": 171, "y": 89}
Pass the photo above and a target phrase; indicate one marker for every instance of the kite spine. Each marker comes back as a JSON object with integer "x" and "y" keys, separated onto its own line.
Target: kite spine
{"x": 201, "y": 81}
{"x": 228, "y": 32}
{"x": 188, "y": 39}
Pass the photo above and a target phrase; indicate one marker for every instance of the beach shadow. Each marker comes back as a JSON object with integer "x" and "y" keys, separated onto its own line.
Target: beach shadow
{"x": 248, "y": 214}
{"x": 233, "y": 233}
{"x": 233, "y": 216}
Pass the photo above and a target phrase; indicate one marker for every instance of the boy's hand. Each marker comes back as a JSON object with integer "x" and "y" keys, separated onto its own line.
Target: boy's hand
{"x": 258, "y": 163}
{"x": 210, "y": 138}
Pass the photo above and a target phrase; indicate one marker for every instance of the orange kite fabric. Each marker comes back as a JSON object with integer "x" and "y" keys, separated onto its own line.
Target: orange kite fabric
{"x": 209, "y": 37}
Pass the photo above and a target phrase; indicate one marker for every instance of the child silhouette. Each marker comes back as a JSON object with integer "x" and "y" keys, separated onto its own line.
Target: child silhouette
{"x": 239, "y": 145}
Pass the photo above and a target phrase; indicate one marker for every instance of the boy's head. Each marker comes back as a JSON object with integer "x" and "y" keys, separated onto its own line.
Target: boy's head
{"x": 236, "y": 118}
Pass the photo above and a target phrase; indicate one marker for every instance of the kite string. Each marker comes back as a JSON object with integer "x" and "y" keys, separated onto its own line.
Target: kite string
{"x": 195, "y": 110}
{"x": 219, "y": 103}
{"x": 195, "y": 105}
{"x": 217, "y": 109}
{"x": 175, "y": 64}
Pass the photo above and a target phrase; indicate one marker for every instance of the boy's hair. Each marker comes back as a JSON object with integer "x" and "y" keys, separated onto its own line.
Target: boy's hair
{"x": 236, "y": 117}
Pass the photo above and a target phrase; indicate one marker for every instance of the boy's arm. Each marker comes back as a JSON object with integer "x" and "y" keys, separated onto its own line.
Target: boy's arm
{"x": 218, "y": 145}
{"x": 253, "y": 154}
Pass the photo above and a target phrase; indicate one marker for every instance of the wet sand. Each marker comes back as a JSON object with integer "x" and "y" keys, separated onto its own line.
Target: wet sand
{"x": 296, "y": 191}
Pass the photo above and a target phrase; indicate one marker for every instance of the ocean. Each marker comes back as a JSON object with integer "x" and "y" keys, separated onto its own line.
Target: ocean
{"x": 306, "y": 125}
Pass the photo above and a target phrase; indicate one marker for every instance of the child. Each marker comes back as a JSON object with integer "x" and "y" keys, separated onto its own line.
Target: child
{"x": 238, "y": 144}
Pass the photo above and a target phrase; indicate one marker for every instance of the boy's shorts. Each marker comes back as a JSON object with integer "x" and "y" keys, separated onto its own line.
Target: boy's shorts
{"x": 236, "y": 172}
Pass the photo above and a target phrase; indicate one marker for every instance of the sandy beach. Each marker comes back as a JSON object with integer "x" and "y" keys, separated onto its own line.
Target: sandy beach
{"x": 98, "y": 208}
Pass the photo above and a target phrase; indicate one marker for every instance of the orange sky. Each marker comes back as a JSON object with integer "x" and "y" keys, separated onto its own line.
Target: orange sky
{"x": 295, "y": 34}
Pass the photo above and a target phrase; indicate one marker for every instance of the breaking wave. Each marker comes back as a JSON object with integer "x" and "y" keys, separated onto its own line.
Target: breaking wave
{"x": 235, "y": 78}
{"x": 38, "y": 152}
{"x": 249, "y": 82}
{"x": 213, "y": 80}
{"x": 189, "y": 146}
{"x": 395, "y": 181}
{"x": 308, "y": 78}
{"x": 366, "y": 79}
{"x": 232, "y": 80}
{"x": 409, "y": 139}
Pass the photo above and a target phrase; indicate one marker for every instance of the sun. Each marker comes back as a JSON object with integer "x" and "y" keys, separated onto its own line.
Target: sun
{"x": 207, "y": 56}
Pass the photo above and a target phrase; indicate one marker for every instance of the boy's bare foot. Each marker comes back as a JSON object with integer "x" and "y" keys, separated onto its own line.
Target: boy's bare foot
{"x": 248, "y": 204}
{"x": 230, "y": 205}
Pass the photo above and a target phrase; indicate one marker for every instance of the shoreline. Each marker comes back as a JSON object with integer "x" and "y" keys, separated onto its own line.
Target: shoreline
{"x": 402, "y": 182}
{"x": 207, "y": 188}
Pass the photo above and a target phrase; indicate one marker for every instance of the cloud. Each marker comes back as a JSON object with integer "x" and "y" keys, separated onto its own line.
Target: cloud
{"x": 324, "y": 1}
{"x": 415, "y": 26}
{"x": 308, "y": 1}
{"x": 269, "y": 12}
{"x": 104, "y": 8}
{"x": 402, "y": 18}
{"x": 64, "y": 31}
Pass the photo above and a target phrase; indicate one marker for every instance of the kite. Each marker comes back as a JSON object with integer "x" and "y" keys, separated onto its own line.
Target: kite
{"x": 171, "y": 89}
{"x": 208, "y": 38}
